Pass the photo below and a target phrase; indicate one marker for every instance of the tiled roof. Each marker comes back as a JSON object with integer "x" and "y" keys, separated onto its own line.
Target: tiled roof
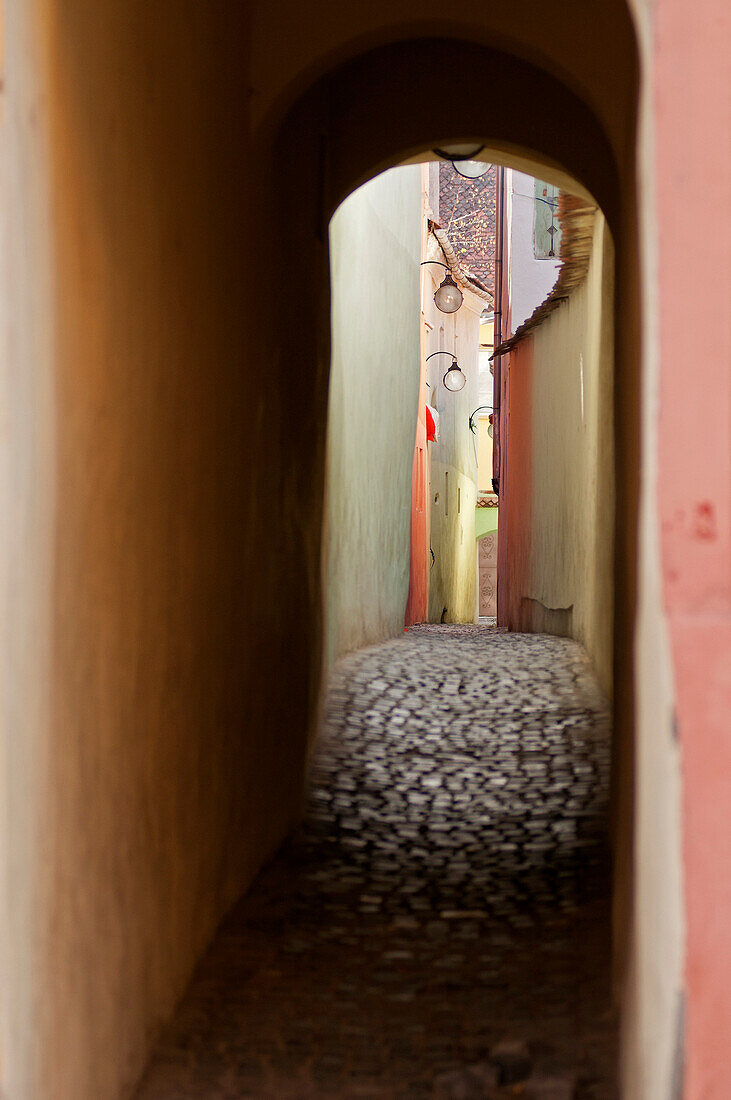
{"x": 460, "y": 276}
{"x": 467, "y": 214}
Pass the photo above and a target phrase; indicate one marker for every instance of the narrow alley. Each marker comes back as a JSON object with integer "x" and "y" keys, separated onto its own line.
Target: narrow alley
{"x": 440, "y": 927}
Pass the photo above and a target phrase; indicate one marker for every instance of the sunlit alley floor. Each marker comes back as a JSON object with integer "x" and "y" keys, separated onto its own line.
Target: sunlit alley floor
{"x": 440, "y": 928}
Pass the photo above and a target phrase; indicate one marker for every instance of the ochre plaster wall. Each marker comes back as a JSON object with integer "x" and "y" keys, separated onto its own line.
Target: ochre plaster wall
{"x": 150, "y": 759}
{"x": 375, "y": 247}
{"x": 556, "y": 556}
{"x": 27, "y": 504}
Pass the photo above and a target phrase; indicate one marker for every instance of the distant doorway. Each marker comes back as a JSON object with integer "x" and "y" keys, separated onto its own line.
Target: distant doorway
{"x": 487, "y": 566}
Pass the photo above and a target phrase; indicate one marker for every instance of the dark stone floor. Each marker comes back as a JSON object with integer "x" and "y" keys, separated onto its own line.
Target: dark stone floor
{"x": 440, "y": 927}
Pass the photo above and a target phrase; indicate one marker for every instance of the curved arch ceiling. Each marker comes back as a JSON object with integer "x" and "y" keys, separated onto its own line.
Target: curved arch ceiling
{"x": 387, "y": 107}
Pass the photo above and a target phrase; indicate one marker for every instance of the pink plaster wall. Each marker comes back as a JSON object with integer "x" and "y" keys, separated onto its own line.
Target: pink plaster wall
{"x": 692, "y": 88}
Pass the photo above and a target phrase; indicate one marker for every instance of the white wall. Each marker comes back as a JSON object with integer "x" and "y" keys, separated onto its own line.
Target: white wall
{"x": 529, "y": 280}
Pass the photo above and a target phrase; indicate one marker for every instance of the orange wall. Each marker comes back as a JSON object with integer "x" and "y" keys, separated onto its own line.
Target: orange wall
{"x": 417, "y": 605}
{"x": 418, "y": 601}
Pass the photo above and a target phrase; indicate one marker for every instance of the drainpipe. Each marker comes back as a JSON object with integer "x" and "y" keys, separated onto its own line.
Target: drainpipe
{"x": 498, "y": 328}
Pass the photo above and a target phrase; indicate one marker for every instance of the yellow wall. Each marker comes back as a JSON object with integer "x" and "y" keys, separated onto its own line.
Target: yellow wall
{"x": 484, "y": 455}
{"x": 453, "y": 459}
{"x": 452, "y": 580}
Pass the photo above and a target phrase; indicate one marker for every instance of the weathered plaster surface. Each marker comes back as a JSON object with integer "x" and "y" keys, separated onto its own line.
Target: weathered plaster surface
{"x": 375, "y": 247}
{"x": 144, "y": 769}
{"x": 557, "y": 530}
{"x": 692, "y": 98}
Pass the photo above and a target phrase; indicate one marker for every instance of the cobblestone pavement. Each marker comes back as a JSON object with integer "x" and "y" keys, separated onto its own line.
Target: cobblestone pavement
{"x": 440, "y": 928}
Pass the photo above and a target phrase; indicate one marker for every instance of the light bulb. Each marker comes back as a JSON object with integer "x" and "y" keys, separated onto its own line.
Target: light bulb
{"x": 454, "y": 380}
{"x": 448, "y": 297}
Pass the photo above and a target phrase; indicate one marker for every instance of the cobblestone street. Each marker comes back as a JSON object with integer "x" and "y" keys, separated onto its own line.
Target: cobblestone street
{"x": 440, "y": 927}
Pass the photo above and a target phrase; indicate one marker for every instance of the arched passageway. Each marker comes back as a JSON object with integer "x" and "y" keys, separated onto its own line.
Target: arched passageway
{"x": 381, "y": 108}
{"x": 330, "y": 106}
{"x": 168, "y": 173}
{"x": 334, "y": 138}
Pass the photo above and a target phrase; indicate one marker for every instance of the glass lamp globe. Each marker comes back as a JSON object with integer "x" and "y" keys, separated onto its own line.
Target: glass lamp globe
{"x": 448, "y": 297}
{"x": 470, "y": 169}
{"x": 460, "y": 157}
{"x": 454, "y": 380}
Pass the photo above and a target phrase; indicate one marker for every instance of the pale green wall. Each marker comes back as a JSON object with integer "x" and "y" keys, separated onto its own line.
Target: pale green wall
{"x": 485, "y": 521}
{"x": 559, "y": 497}
{"x": 375, "y": 243}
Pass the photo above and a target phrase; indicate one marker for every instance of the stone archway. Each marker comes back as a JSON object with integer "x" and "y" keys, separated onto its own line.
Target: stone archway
{"x": 133, "y": 127}
{"x": 368, "y": 114}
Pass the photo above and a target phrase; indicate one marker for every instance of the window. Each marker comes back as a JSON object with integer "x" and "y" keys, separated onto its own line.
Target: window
{"x": 546, "y": 226}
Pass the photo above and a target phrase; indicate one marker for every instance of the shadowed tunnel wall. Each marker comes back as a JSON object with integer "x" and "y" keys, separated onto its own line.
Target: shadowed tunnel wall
{"x": 149, "y": 760}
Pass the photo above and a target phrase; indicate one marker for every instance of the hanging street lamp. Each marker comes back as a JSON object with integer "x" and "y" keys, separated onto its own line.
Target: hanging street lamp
{"x": 453, "y": 380}
{"x": 461, "y": 159}
{"x": 447, "y": 297}
{"x": 473, "y": 426}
